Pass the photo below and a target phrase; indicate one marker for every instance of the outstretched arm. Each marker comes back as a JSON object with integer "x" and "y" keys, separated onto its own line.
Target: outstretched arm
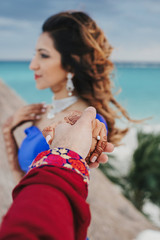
{"x": 50, "y": 201}
{"x": 22, "y": 115}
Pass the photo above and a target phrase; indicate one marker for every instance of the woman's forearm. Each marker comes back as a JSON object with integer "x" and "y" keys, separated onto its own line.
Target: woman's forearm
{"x": 11, "y": 149}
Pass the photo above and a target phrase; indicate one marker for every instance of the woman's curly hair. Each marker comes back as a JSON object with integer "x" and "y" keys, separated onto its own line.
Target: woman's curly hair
{"x": 85, "y": 51}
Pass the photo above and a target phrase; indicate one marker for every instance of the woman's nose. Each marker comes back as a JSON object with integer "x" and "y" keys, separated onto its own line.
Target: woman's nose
{"x": 34, "y": 64}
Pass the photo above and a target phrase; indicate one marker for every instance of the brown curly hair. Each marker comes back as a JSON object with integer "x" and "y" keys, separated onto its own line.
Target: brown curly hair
{"x": 86, "y": 51}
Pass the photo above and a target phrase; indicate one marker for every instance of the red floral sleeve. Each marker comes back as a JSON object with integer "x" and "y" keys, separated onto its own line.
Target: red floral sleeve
{"x": 62, "y": 158}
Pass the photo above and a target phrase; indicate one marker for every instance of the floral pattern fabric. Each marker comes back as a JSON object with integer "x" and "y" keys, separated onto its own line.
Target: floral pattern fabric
{"x": 63, "y": 158}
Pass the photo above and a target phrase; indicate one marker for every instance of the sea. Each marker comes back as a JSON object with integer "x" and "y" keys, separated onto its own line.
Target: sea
{"x": 138, "y": 83}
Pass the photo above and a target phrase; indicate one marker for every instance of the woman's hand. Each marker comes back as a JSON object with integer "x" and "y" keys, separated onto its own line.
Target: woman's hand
{"x": 80, "y": 136}
{"x": 27, "y": 113}
{"x": 102, "y": 158}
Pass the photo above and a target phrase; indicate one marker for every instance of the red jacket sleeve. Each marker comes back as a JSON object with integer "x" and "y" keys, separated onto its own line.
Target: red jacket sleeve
{"x": 49, "y": 203}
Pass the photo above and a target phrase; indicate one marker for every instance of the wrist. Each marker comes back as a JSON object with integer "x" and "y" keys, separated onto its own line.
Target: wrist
{"x": 62, "y": 158}
{"x": 6, "y": 129}
{"x": 8, "y": 125}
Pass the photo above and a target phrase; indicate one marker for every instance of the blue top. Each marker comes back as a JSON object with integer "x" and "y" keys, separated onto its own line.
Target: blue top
{"x": 34, "y": 143}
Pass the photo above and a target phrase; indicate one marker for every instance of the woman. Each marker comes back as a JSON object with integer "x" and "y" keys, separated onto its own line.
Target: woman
{"x": 72, "y": 59}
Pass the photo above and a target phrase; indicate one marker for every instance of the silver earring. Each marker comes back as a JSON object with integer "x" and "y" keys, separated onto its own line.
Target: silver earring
{"x": 69, "y": 85}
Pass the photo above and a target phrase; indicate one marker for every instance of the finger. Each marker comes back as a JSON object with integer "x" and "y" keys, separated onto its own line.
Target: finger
{"x": 101, "y": 144}
{"x": 94, "y": 165}
{"x": 48, "y": 133}
{"x": 96, "y": 127}
{"x": 109, "y": 147}
{"x": 36, "y": 105}
{"x": 87, "y": 116}
{"x": 33, "y": 115}
{"x": 29, "y": 118}
{"x": 35, "y": 108}
{"x": 103, "y": 158}
{"x": 37, "y": 111}
{"x": 30, "y": 113}
{"x": 98, "y": 150}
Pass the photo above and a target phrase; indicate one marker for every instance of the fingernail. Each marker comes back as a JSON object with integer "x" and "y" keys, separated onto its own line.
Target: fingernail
{"x": 48, "y": 138}
{"x": 93, "y": 159}
{"x": 44, "y": 104}
{"x": 89, "y": 108}
{"x": 38, "y": 117}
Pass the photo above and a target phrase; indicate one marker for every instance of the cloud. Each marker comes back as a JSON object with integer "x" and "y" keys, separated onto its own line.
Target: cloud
{"x": 130, "y": 26}
{"x": 18, "y": 38}
{"x": 143, "y": 54}
{"x": 24, "y": 10}
{"x": 33, "y": 10}
{"x": 11, "y": 23}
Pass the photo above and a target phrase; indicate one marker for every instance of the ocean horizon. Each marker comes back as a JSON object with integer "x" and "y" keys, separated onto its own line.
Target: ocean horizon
{"x": 139, "y": 83}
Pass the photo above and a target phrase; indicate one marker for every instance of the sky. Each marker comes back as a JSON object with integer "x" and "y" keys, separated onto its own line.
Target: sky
{"x": 131, "y": 26}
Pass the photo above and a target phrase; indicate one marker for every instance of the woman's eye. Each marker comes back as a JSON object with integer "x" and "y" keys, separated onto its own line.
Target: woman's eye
{"x": 44, "y": 55}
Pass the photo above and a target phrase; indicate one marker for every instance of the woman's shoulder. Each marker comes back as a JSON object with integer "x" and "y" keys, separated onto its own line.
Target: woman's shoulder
{"x": 33, "y": 143}
{"x": 32, "y": 130}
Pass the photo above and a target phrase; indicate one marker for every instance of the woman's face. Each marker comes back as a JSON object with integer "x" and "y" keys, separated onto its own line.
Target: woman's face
{"x": 46, "y": 65}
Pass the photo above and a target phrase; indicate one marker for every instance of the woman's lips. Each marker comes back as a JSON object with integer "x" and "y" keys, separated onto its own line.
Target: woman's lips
{"x": 36, "y": 76}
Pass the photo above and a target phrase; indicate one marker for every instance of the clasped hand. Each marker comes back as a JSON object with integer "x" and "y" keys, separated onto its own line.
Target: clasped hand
{"x": 78, "y": 133}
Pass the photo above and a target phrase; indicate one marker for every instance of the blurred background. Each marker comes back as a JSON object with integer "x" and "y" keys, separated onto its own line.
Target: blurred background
{"x": 133, "y": 29}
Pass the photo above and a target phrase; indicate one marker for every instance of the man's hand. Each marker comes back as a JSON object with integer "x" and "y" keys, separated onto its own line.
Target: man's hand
{"x": 81, "y": 137}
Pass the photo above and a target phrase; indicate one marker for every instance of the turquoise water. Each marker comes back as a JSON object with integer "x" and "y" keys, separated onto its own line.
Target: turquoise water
{"x": 18, "y": 76}
{"x": 140, "y": 84}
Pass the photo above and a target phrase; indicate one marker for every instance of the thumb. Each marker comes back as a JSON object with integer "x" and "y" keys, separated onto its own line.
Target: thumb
{"x": 48, "y": 133}
{"x": 87, "y": 116}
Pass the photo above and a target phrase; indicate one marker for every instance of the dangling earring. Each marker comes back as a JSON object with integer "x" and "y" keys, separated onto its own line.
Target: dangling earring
{"x": 69, "y": 85}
